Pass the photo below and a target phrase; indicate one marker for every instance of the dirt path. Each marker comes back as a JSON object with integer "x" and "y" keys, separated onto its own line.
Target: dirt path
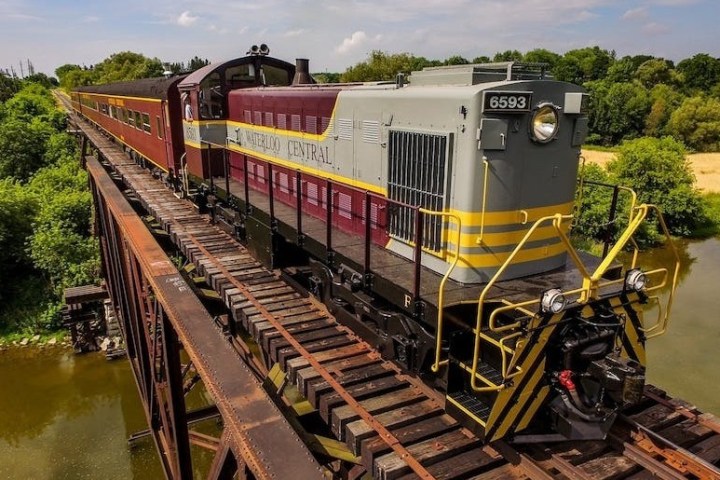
{"x": 705, "y": 165}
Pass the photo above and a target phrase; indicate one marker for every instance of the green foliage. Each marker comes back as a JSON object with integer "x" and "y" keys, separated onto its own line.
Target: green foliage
{"x": 127, "y": 66}
{"x": 541, "y": 55}
{"x": 18, "y": 207}
{"x": 657, "y": 169}
{"x": 710, "y": 224}
{"x": 326, "y": 77}
{"x": 700, "y": 72}
{"x": 622, "y": 70}
{"x": 117, "y": 67}
{"x": 592, "y": 204}
{"x": 76, "y": 77}
{"x": 618, "y": 110}
{"x": 384, "y": 66}
{"x": 23, "y": 147}
{"x": 583, "y": 65}
{"x": 456, "y": 60}
{"x": 653, "y": 72}
{"x": 60, "y": 245}
{"x": 193, "y": 64}
{"x": 45, "y": 217}
{"x": 23, "y": 309}
{"x": 42, "y": 79}
{"x": 508, "y": 56}
{"x": 697, "y": 123}
{"x": 665, "y": 100}
{"x": 68, "y": 258}
{"x": 8, "y": 87}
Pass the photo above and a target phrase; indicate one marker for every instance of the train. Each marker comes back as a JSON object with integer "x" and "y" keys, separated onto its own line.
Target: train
{"x": 431, "y": 214}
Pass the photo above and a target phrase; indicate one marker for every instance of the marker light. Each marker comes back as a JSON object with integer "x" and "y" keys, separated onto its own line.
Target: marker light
{"x": 553, "y": 301}
{"x": 544, "y": 124}
{"x": 635, "y": 279}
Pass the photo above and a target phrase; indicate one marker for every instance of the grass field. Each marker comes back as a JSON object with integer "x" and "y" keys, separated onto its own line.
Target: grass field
{"x": 705, "y": 165}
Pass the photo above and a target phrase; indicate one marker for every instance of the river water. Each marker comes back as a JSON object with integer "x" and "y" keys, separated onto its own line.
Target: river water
{"x": 685, "y": 361}
{"x": 66, "y": 416}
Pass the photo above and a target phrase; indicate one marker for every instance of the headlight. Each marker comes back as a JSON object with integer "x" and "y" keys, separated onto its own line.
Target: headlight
{"x": 552, "y": 301}
{"x": 545, "y": 123}
{"x": 635, "y": 279}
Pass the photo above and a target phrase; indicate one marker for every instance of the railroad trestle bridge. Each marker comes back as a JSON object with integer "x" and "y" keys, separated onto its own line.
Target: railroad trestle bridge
{"x": 298, "y": 394}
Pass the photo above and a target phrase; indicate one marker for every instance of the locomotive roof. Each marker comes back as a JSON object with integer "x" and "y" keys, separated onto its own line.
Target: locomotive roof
{"x": 199, "y": 75}
{"x": 146, "y": 88}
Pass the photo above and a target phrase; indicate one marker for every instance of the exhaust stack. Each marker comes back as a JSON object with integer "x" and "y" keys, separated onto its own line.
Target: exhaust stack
{"x": 302, "y": 72}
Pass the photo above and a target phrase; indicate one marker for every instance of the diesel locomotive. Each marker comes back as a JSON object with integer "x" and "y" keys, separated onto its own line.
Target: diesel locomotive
{"x": 431, "y": 214}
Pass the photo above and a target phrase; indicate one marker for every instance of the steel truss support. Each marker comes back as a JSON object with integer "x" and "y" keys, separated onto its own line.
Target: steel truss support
{"x": 158, "y": 314}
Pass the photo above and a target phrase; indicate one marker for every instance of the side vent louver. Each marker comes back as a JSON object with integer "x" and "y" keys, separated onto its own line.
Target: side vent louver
{"x": 417, "y": 176}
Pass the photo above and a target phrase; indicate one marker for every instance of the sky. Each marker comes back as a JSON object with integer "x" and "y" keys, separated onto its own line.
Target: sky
{"x": 337, "y": 34}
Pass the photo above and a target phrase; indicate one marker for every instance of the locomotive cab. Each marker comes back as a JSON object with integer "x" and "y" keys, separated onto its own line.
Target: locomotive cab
{"x": 204, "y": 95}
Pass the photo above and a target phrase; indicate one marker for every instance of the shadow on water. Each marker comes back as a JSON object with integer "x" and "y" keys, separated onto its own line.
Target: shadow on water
{"x": 684, "y": 361}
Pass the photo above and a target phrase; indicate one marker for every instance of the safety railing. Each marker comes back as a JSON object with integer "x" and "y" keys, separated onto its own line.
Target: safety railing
{"x": 592, "y": 283}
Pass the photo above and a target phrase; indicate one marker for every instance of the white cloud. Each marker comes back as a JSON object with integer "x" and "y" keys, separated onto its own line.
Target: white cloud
{"x": 639, "y": 13}
{"x": 355, "y": 41}
{"x": 186, "y": 19}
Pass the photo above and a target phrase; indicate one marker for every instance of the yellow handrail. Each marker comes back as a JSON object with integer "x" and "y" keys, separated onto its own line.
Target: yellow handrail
{"x": 590, "y": 284}
{"x": 484, "y": 201}
{"x": 665, "y": 319}
{"x": 488, "y": 286}
{"x": 441, "y": 295}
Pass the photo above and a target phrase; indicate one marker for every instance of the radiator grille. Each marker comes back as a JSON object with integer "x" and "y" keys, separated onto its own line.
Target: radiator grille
{"x": 417, "y": 176}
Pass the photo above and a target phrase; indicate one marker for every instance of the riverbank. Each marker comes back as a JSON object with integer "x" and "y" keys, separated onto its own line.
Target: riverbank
{"x": 51, "y": 339}
{"x": 705, "y": 166}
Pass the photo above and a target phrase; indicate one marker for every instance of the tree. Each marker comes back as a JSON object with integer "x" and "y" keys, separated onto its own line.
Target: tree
{"x": 583, "y": 65}
{"x": 9, "y": 86}
{"x": 665, "y": 100}
{"x": 42, "y": 79}
{"x": 617, "y": 110}
{"x": 653, "y": 72}
{"x": 23, "y": 146}
{"x": 700, "y": 72}
{"x": 197, "y": 63}
{"x": 456, "y": 60}
{"x": 326, "y": 77}
{"x": 592, "y": 204}
{"x": 384, "y": 66}
{"x": 697, "y": 123}
{"x": 127, "y": 66}
{"x": 17, "y": 211}
{"x": 508, "y": 56}
{"x": 481, "y": 59}
{"x": 78, "y": 78}
{"x": 622, "y": 70}
{"x": 541, "y": 55}
{"x": 659, "y": 172}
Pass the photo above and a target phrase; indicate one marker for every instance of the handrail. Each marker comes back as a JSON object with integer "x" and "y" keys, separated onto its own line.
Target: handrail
{"x": 484, "y": 202}
{"x": 489, "y": 285}
{"x": 441, "y": 295}
{"x": 590, "y": 285}
{"x": 665, "y": 319}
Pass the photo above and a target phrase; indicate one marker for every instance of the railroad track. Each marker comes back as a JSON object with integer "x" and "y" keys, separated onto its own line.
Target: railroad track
{"x": 391, "y": 422}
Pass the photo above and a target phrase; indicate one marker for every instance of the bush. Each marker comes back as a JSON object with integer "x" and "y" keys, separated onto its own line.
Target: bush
{"x": 697, "y": 123}
{"x": 658, "y": 171}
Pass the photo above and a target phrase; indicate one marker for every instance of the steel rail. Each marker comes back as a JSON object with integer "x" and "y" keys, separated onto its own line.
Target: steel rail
{"x": 384, "y": 433}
